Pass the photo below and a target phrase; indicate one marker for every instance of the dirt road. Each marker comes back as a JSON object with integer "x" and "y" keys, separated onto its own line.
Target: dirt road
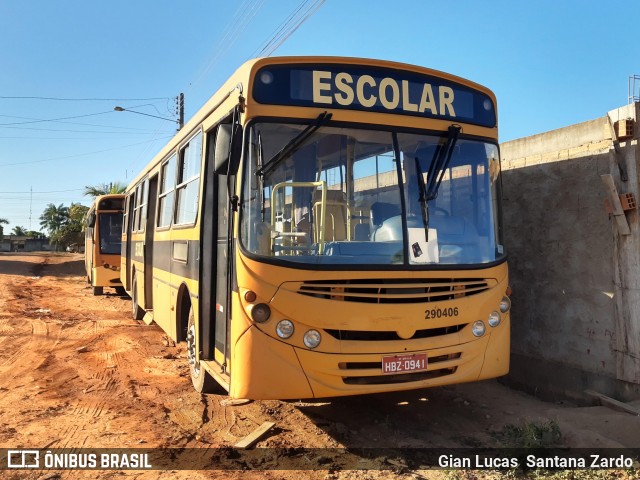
{"x": 77, "y": 372}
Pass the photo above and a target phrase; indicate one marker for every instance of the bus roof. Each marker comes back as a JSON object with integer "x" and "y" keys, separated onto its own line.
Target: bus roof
{"x": 110, "y": 196}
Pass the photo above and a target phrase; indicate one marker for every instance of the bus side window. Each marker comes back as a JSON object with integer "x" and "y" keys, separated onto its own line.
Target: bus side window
{"x": 187, "y": 189}
{"x": 167, "y": 192}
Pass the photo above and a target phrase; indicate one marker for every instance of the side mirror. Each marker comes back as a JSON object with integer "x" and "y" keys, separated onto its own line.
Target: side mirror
{"x": 228, "y": 148}
{"x": 91, "y": 220}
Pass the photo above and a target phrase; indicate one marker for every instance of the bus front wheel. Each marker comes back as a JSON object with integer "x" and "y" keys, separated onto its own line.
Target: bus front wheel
{"x": 97, "y": 290}
{"x": 136, "y": 311}
{"x": 203, "y": 382}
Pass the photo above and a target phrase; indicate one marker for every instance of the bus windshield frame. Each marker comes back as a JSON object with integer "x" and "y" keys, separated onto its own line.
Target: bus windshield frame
{"x": 349, "y": 196}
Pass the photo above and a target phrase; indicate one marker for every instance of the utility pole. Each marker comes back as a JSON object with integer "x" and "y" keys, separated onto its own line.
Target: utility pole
{"x": 30, "y": 204}
{"x": 180, "y": 110}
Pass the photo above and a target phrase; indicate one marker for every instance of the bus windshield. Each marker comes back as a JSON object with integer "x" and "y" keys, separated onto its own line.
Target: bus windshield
{"x": 357, "y": 196}
{"x": 110, "y": 231}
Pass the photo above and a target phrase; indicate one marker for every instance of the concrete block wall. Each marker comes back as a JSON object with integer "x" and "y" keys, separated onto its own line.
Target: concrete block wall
{"x": 562, "y": 250}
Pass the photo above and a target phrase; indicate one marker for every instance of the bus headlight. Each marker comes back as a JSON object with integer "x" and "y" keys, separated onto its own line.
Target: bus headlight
{"x": 478, "y": 328}
{"x": 260, "y": 313}
{"x": 312, "y": 338}
{"x": 505, "y": 304}
{"x": 284, "y": 329}
{"x": 494, "y": 319}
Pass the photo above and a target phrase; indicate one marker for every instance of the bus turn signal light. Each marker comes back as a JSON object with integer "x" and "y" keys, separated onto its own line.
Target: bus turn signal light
{"x": 260, "y": 313}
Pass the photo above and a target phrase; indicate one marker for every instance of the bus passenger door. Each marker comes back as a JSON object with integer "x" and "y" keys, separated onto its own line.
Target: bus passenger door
{"x": 152, "y": 193}
{"x": 131, "y": 201}
{"x": 215, "y": 262}
{"x": 214, "y": 247}
{"x": 222, "y": 271}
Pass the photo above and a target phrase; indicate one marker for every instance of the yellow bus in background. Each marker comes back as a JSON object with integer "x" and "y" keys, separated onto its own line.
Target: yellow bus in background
{"x": 327, "y": 226}
{"x": 102, "y": 243}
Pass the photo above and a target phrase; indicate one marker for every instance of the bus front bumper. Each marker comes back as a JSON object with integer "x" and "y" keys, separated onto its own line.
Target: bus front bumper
{"x": 266, "y": 368}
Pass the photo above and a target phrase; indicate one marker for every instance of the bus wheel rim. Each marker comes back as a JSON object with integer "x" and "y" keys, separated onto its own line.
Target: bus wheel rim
{"x": 191, "y": 350}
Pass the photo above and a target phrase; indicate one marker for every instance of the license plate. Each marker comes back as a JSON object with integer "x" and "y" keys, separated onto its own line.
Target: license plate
{"x": 404, "y": 363}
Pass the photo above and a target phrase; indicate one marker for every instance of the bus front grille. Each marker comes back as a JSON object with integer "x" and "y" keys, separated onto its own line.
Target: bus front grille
{"x": 358, "y": 335}
{"x": 394, "y": 290}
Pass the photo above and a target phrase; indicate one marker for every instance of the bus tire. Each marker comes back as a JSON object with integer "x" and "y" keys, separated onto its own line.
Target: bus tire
{"x": 136, "y": 311}
{"x": 202, "y": 381}
{"x": 121, "y": 291}
{"x": 97, "y": 290}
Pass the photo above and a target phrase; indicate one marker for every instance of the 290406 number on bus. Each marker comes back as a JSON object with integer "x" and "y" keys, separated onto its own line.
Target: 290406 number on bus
{"x": 404, "y": 363}
{"x": 441, "y": 313}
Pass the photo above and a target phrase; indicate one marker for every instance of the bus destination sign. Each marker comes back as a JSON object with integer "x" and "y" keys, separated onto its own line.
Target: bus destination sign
{"x": 357, "y": 87}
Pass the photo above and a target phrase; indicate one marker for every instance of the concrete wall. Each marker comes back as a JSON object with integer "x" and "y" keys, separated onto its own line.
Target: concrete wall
{"x": 562, "y": 247}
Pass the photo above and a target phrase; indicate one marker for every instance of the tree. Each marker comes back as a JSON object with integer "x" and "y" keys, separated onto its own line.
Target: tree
{"x": 53, "y": 219}
{"x": 104, "y": 189}
{"x": 19, "y": 232}
{"x": 34, "y": 234}
{"x": 72, "y": 231}
{"x": 6, "y": 222}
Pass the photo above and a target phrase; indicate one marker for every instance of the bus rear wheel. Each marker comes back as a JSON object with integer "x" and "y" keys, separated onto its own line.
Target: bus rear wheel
{"x": 136, "y": 311}
{"x": 202, "y": 381}
{"x": 97, "y": 290}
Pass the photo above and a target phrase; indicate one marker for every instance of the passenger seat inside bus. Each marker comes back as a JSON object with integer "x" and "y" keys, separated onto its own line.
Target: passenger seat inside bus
{"x": 336, "y": 219}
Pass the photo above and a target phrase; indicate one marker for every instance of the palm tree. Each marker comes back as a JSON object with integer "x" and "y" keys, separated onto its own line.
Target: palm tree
{"x": 19, "y": 232}
{"x": 34, "y": 234}
{"x": 6, "y": 222}
{"x": 54, "y": 218}
{"x": 104, "y": 189}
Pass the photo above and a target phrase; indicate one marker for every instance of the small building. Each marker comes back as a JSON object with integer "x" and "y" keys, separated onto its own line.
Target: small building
{"x": 19, "y": 243}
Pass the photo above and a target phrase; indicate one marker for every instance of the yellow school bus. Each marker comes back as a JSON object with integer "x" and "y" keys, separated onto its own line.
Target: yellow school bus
{"x": 327, "y": 226}
{"x": 102, "y": 243}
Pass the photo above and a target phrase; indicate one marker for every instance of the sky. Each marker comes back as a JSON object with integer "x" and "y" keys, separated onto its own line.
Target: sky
{"x": 551, "y": 63}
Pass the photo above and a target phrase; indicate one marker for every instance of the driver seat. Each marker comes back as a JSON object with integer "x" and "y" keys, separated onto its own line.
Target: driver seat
{"x": 381, "y": 211}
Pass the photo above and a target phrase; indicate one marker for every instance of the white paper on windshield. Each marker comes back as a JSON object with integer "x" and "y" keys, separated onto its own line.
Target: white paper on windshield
{"x": 421, "y": 251}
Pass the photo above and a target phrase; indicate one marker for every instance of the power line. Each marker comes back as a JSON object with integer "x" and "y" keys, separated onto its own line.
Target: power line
{"x": 56, "y": 119}
{"x": 31, "y": 120}
{"x": 257, "y": 52}
{"x": 78, "y": 155}
{"x": 243, "y": 14}
{"x": 304, "y": 11}
{"x": 85, "y": 99}
{"x": 141, "y": 131}
{"x": 79, "y": 139}
{"x": 50, "y": 191}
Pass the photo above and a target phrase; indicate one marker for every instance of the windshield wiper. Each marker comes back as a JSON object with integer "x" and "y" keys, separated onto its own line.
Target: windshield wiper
{"x": 441, "y": 162}
{"x": 423, "y": 200}
{"x": 294, "y": 143}
{"x": 437, "y": 169}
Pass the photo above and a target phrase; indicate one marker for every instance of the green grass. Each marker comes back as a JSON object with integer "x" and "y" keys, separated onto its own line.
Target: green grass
{"x": 531, "y": 435}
